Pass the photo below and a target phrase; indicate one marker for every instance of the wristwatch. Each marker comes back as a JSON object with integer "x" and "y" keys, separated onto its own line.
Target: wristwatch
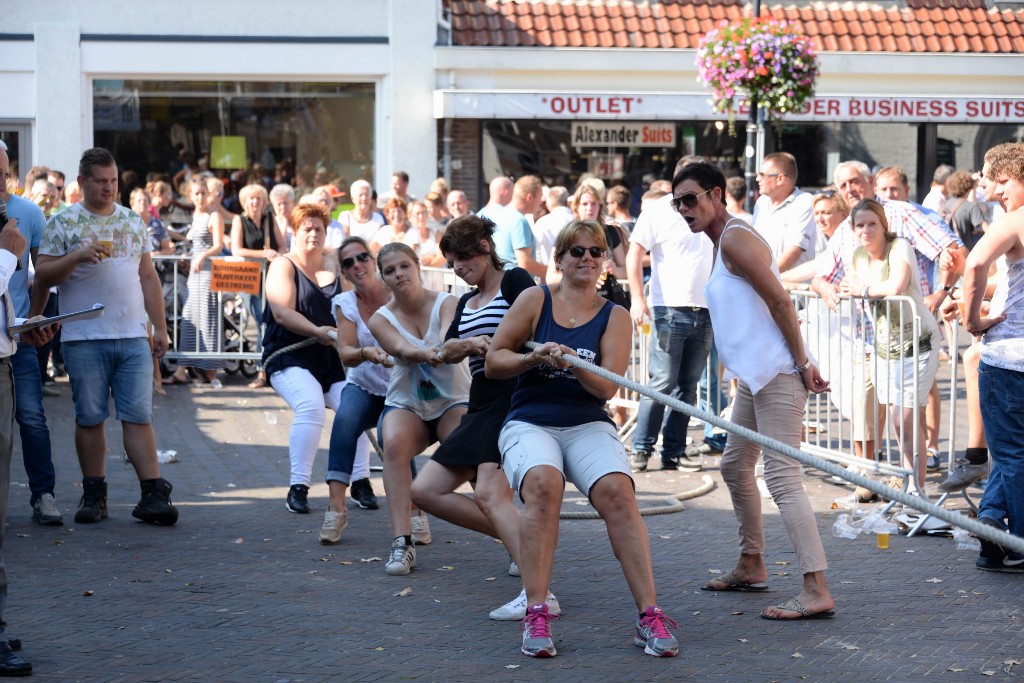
{"x": 801, "y": 368}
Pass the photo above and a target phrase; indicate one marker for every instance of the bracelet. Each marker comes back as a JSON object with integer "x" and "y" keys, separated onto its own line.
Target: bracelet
{"x": 524, "y": 360}
{"x": 802, "y": 368}
{"x": 362, "y": 355}
{"x": 949, "y": 289}
{"x": 864, "y": 292}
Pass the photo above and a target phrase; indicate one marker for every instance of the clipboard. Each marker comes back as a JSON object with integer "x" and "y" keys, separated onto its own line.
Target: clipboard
{"x": 88, "y": 314}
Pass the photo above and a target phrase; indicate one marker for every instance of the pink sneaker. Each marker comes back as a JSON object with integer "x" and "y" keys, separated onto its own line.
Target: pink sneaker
{"x": 537, "y": 640}
{"x": 653, "y": 635}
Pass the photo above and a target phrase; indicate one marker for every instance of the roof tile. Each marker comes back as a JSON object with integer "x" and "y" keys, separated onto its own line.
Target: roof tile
{"x": 911, "y": 26}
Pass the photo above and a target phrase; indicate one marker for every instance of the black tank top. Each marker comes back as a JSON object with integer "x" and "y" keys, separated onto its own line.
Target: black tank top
{"x": 313, "y": 302}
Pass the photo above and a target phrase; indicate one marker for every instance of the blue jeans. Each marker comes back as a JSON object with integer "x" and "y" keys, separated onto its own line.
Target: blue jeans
{"x": 28, "y": 411}
{"x": 1001, "y": 393}
{"x": 680, "y": 341}
{"x": 99, "y": 368}
{"x": 712, "y": 398}
{"x": 358, "y": 410}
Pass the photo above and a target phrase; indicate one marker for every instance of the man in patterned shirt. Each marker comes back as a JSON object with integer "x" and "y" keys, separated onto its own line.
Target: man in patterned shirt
{"x": 930, "y": 241}
{"x": 98, "y": 251}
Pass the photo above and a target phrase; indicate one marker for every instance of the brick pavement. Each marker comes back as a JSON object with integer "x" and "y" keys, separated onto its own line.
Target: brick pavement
{"x": 240, "y": 590}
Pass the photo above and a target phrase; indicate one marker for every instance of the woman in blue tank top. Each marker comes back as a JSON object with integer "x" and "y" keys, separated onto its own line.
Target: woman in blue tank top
{"x": 557, "y": 429}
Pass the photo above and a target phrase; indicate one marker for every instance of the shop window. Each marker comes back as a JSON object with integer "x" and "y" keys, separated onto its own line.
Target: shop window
{"x": 325, "y": 129}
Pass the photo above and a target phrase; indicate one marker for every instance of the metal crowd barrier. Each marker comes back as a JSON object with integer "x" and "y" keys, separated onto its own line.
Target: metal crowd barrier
{"x": 237, "y": 339}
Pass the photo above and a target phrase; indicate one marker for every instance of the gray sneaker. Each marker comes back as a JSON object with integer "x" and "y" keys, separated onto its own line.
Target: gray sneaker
{"x": 704, "y": 448}
{"x": 45, "y": 512}
{"x": 638, "y": 461}
{"x": 963, "y": 475}
{"x": 537, "y": 640}
{"x": 652, "y": 633}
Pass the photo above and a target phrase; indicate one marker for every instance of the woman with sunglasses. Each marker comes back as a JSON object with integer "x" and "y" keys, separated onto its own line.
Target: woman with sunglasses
{"x": 310, "y": 378}
{"x": 366, "y": 384}
{"x": 470, "y": 453}
{"x": 830, "y": 210}
{"x": 587, "y": 204}
{"x": 557, "y": 429}
{"x": 426, "y": 397}
{"x": 747, "y": 302}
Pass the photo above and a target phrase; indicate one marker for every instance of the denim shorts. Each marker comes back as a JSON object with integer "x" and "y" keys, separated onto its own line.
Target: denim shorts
{"x": 99, "y": 368}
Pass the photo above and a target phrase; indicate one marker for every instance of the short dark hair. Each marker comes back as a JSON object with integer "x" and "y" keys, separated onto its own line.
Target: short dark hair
{"x": 786, "y": 163}
{"x": 36, "y": 173}
{"x": 687, "y": 160}
{"x": 619, "y": 196}
{"x": 704, "y": 173}
{"x": 91, "y": 158}
{"x": 736, "y": 188}
{"x": 401, "y": 175}
{"x": 463, "y": 236}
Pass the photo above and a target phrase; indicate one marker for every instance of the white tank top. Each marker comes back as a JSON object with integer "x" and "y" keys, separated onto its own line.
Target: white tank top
{"x": 423, "y": 389}
{"x": 370, "y": 377}
{"x": 749, "y": 342}
{"x": 1003, "y": 344}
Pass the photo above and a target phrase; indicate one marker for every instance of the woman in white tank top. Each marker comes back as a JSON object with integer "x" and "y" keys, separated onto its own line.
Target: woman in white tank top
{"x": 759, "y": 342}
{"x": 426, "y": 397}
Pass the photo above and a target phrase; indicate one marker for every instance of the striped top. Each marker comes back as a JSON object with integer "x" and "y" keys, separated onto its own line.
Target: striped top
{"x": 474, "y": 322}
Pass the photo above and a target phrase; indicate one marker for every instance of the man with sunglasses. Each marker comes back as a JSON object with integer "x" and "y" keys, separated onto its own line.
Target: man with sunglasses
{"x": 783, "y": 213}
{"x": 681, "y": 326}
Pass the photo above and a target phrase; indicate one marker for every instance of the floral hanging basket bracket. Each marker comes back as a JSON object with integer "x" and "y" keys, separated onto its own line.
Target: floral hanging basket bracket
{"x": 759, "y": 61}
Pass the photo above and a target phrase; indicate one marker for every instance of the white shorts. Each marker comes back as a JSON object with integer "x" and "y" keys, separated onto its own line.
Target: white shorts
{"x": 583, "y": 454}
{"x": 897, "y": 379}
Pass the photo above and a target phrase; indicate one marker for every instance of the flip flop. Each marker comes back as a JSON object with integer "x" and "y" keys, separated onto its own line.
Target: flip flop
{"x": 732, "y": 583}
{"x": 795, "y": 605}
{"x": 174, "y": 380}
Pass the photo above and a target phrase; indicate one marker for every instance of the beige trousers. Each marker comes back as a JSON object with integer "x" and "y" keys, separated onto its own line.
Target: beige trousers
{"x": 777, "y": 412}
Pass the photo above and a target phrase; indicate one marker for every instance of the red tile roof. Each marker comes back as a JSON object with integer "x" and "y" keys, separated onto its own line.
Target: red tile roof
{"x": 919, "y": 26}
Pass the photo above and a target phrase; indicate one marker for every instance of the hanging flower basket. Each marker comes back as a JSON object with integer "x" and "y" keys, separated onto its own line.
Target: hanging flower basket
{"x": 760, "y": 62}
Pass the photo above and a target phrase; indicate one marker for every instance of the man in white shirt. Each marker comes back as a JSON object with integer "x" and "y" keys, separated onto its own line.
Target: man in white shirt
{"x": 99, "y": 251}
{"x": 681, "y": 325}
{"x": 936, "y": 197}
{"x": 546, "y": 230}
{"x": 784, "y": 214}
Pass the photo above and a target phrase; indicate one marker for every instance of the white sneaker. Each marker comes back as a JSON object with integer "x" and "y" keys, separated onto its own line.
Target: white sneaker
{"x": 334, "y": 524}
{"x": 515, "y": 609}
{"x": 45, "y": 512}
{"x": 402, "y": 558}
{"x": 513, "y": 568}
{"x": 420, "y": 530}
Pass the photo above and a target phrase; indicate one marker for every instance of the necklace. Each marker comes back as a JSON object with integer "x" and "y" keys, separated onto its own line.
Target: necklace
{"x": 572, "y": 316}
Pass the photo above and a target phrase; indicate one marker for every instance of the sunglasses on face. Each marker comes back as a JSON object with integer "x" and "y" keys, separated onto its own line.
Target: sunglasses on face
{"x": 762, "y": 176}
{"x": 578, "y": 252}
{"x": 350, "y": 261}
{"x": 689, "y": 200}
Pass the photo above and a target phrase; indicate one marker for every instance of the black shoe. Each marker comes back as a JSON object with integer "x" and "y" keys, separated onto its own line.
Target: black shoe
{"x": 93, "y": 506}
{"x": 296, "y": 500}
{"x": 991, "y": 553}
{"x": 638, "y": 461}
{"x": 683, "y": 463}
{"x": 1011, "y": 562}
{"x": 362, "y": 493}
{"x": 155, "y": 505}
{"x": 11, "y": 664}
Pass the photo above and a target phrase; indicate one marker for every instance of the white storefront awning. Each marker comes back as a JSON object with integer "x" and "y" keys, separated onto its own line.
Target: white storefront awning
{"x": 511, "y": 104}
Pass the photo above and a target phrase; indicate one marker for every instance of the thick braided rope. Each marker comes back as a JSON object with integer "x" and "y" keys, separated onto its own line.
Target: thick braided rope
{"x": 955, "y": 518}
{"x": 672, "y": 504}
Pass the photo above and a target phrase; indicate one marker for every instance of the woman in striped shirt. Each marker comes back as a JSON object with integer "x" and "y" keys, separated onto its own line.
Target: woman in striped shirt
{"x": 471, "y": 451}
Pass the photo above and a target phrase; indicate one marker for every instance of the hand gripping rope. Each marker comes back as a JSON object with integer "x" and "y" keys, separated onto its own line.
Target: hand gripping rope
{"x": 980, "y": 530}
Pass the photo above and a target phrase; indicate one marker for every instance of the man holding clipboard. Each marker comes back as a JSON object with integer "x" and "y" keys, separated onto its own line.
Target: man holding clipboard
{"x": 12, "y": 244}
{"x": 97, "y": 249}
